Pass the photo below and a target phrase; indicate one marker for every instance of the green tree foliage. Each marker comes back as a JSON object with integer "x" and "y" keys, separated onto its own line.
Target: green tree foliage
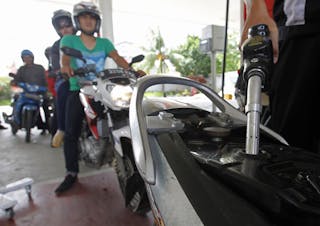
{"x": 232, "y": 57}
{"x": 189, "y": 60}
{"x": 5, "y": 93}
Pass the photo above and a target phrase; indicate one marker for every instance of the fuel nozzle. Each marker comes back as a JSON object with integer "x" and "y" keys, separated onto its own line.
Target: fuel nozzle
{"x": 257, "y": 61}
{"x": 257, "y": 55}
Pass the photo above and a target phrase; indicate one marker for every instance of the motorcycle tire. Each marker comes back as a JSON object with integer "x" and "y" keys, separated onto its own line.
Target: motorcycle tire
{"x": 131, "y": 185}
{"x": 28, "y": 125}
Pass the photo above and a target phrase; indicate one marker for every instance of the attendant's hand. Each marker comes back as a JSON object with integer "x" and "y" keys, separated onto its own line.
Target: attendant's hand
{"x": 259, "y": 15}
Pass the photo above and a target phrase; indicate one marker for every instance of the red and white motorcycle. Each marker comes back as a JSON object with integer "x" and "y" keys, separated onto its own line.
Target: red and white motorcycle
{"x": 105, "y": 135}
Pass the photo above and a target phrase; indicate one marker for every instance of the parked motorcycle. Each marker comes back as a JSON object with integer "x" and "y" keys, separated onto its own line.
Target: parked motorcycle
{"x": 30, "y": 99}
{"x": 105, "y": 134}
{"x": 207, "y": 163}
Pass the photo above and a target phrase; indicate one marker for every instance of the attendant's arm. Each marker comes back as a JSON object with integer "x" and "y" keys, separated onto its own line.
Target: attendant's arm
{"x": 258, "y": 14}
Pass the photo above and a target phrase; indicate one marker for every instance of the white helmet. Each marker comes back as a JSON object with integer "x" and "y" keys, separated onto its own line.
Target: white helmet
{"x": 86, "y": 8}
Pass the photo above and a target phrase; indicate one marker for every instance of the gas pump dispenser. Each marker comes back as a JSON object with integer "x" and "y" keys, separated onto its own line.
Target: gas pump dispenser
{"x": 212, "y": 41}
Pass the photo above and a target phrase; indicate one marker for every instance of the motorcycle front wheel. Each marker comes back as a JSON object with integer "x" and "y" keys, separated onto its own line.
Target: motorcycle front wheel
{"x": 131, "y": 185}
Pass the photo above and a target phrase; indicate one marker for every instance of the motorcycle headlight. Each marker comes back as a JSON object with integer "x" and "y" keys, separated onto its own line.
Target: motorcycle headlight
{"x": 121, "y": 95}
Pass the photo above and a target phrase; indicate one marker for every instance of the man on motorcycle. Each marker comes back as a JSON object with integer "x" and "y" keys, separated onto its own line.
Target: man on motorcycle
{"x": 95, "y": 51}
{"x": 33, "y": 74}
{"x": 30, "y": 72}
{"x": 62, "y": 23}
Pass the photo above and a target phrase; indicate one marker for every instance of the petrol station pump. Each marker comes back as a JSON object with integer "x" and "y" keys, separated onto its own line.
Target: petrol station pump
{"x": 212, "y": 41}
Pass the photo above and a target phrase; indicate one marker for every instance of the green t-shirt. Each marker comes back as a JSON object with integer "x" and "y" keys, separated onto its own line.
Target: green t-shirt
{"x": 96, "y": 56}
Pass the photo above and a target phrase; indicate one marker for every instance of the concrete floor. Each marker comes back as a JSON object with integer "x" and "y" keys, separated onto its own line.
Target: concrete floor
{"x": 95, "y": 200}
{"x": 35, "y": 159}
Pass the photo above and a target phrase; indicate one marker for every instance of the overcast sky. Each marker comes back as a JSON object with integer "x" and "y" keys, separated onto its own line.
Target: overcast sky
{"x": 26, "y": 24}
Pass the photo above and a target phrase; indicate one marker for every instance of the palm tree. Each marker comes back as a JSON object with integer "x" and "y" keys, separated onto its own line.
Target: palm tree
{"x": 156, "y": 54}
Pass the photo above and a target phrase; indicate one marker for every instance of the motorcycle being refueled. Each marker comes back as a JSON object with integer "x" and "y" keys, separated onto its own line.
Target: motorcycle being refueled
{"x": 216, "y": 165}
{"x": 28, "y": 99}
{"x": 105, "y": 134}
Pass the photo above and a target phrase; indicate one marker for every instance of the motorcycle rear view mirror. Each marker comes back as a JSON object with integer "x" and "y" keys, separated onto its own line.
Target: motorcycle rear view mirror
{"x": 73, "y": 53}
{"x": 137, "y": 59}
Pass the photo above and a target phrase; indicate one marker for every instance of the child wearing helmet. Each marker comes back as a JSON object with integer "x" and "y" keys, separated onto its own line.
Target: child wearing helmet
{"x": 95, "y": 50}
